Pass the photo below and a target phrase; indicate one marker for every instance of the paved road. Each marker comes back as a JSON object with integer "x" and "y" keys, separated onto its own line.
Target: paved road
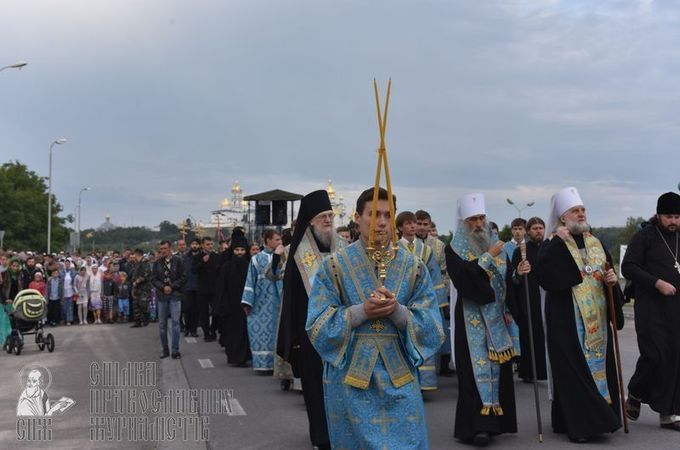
{"x": 248, "y": 411}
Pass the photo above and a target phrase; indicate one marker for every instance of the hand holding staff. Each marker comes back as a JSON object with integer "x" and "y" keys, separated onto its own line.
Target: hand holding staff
{"x": 615, "y": 333}
{"x": 523, "y": 250}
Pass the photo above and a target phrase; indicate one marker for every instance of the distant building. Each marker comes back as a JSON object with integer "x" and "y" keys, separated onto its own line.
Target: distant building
{"x": 107, "y": 225}
{"x": 232, "y": 213}
{"x": 338, "y": 204}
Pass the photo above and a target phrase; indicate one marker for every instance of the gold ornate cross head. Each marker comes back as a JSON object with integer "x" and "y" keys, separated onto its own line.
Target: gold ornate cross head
{"x": 382, "y": 251}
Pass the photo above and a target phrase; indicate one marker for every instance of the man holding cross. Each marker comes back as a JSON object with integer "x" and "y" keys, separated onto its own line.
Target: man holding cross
{"x": 372, "y": 337}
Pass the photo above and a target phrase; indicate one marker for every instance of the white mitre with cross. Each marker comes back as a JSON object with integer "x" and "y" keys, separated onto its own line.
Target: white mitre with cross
{"x": 563, "y": 201}
{"x": 470, "y": 205}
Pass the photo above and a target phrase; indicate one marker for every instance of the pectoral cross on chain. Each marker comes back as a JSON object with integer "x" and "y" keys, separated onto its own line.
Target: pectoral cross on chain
{"x": 677, "y": 266}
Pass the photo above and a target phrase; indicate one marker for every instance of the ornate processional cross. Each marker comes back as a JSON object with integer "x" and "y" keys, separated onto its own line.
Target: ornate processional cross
{"x": 380, "y": 249}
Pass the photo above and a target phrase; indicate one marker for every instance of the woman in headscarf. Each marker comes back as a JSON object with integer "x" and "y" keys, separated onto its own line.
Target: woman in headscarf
{"x": 12, "y": 283}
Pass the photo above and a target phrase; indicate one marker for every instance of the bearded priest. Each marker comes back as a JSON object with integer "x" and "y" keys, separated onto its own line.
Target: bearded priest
{"x": 571, "y": 269}
{"x": 485, "y": 337}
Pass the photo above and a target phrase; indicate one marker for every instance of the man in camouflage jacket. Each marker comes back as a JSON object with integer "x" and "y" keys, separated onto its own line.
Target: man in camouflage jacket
{"x": 141, "y": 288}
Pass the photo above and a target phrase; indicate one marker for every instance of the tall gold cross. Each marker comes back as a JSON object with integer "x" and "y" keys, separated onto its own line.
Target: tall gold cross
{"x": 381, "y": 251}
{"x": 183, "y": 229}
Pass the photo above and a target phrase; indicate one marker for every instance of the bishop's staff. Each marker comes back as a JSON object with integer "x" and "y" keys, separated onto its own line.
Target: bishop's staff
{"x": 523, "y": 250}
{"x": 381, "y": 250}
{"x": 615, "y": 333}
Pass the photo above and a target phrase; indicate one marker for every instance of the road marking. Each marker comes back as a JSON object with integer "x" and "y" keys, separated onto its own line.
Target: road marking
{"x": 206, "y": 363}
{"x": 190, "y": 340}
{"x": 233, "y": 407}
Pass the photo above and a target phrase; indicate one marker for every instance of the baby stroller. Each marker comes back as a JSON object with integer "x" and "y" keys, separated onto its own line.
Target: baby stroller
{"x": 26, "y": 315}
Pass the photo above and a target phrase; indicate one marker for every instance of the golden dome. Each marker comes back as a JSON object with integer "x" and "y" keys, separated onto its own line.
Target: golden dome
{"x": 330, "y": 190}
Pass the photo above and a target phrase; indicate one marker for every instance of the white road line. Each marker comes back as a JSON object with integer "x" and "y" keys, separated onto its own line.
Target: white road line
{"x": 206, "y": 363}
{"x": 190, "y": 340}
{"x": 233, "y": 407}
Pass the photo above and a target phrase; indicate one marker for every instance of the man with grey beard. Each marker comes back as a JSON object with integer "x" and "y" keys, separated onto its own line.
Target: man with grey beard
{"x": 480, "y": 235}
{"x": 572, "y": 268}
{"x": 313, "y": 239}
{"x": 485, "y": 337}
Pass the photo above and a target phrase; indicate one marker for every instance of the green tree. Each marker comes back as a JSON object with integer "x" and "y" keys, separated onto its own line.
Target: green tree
{"x": 631, "y": 228}
{"x": 446, "y": 238}
{"x": 23, "y": 210}
{"x": 613, "y": 238}
{"x": 168, "y": 230}
{"x": 505, "y": 234}
{"x": 119, "y": 239}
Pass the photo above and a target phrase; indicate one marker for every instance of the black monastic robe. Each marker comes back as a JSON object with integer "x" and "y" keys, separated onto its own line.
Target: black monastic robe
{"x": 233, "y": 321}
{"x": 472, "y": 282}
{"x": 578, "y": 409}
{"x": 517, "y": 303}
{"x": 293, "y": 346}
{"x": 656, "y": 380}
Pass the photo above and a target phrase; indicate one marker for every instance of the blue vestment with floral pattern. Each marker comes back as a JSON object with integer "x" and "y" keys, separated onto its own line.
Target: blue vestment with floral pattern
{"x": 371, "y": 389}
{"x": 264, "y": 296}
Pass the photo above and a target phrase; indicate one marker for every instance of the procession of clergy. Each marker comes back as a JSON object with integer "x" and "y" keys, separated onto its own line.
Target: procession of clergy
{"x": 366, "y": 350}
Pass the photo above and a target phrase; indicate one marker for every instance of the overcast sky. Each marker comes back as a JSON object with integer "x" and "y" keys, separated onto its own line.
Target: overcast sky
{"x": 166, "y": 102}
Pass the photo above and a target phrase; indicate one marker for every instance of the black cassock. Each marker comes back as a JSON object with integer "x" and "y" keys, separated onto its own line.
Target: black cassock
{"x": 517, "y": 303}
{"x": 472, "y": 283}
{"x": 578, "y": 409}
{"x": 293, "y": 346}
{"x": 657, "y": 321}
{"x": 233, "y": 322}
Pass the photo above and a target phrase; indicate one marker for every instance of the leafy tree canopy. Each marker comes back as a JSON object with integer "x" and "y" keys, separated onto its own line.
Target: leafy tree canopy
{"x": 23, "y": 210}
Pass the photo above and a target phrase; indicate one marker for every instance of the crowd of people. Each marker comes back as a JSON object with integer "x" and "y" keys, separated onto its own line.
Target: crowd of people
{"x": 79, "y": 290}
{"x": 314, "y": 307}
{"x": 113, "y": 287}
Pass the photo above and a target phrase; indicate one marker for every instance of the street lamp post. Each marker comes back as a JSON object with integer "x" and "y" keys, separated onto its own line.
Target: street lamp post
{"x": 16, "y": 65}
{"x": 519, "y": 210}
{"x": 49, "y": 198}
{"x": 79, "y": 214}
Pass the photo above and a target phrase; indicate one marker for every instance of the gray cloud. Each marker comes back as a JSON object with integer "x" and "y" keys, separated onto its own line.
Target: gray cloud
{"x": 167, "y": 102}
